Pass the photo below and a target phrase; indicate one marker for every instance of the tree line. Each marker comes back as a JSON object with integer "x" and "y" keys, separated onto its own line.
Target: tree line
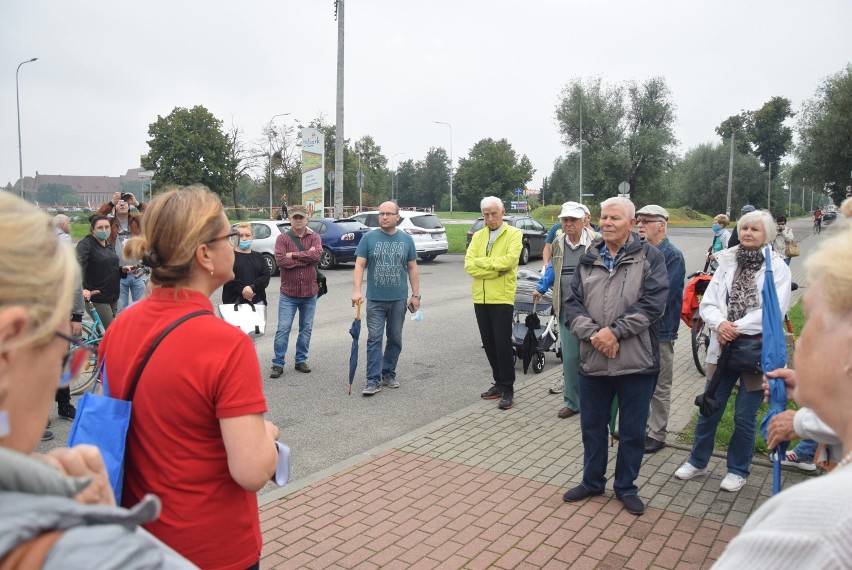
{"x": 611, "y": 132}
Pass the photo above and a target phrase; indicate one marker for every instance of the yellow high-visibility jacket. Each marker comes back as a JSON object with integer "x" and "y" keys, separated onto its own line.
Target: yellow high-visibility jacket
{"x": 489, "y": 286}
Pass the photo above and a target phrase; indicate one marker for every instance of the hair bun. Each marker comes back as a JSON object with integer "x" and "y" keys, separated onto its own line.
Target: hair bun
{"x": 151, "y": 259}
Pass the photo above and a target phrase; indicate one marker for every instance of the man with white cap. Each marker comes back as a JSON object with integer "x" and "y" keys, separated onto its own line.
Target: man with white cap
{"x": 651, "y": 222}
{"x": 555, "y": 228}
{"x": 570, "y": 244}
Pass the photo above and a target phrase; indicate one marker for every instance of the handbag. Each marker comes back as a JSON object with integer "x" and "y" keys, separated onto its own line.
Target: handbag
{"x": 247, "y": 316}
{"x": 322, "y": 285}
{"x": 745, "y": 354}
{"x": 103, "y": 421}
{"x": 791, "y": 249}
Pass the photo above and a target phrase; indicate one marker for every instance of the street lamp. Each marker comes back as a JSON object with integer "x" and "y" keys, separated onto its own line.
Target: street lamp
{"x": 270, "y": 158}
{"x": 392, "y": 173}
{"x": 18, "y": 101}
{"x": 451, "y": 161}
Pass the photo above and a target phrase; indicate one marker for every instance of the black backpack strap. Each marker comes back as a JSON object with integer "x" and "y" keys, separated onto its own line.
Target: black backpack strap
{"x": 156, "y": 343}
{"x": 296, "y": 241}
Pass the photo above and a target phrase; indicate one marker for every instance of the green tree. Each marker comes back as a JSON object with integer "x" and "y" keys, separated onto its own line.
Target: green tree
{"x": 492, "y": 168}
{"x": 771, "y": 139}
{"x": 189, "y": 147}
{"x": 433, "y": 178}
{"x": 740, "y": 126}
{"x": 650, "y": 136}
{"x": 824, "y": 130}
{"x": 57, "y": 195}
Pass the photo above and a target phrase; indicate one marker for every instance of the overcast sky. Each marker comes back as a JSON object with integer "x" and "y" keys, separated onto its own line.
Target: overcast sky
{"x": 106, "y": 69}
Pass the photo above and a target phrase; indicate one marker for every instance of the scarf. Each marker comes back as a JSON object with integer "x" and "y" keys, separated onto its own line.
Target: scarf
{"x": 744, "y": 296}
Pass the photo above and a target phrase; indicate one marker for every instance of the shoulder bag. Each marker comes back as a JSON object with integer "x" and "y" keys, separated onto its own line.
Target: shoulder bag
{"x": 322, "y": 286}
{"x": 791, "y": 249}
{"x": 104, "y": 421}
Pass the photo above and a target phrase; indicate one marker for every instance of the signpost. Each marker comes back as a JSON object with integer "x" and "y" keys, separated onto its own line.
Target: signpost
{"x": 624, "y": 190}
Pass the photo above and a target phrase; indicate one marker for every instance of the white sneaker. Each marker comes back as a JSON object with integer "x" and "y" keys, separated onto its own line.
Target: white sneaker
{"x": 688, "y": 471}
{"x": 557, "y": 386}
{"x": 792, "y": 460}
{"x": 732, "y": 482}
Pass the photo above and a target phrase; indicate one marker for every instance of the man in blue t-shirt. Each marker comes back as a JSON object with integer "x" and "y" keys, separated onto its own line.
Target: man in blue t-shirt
{"x": 389, "y": 256}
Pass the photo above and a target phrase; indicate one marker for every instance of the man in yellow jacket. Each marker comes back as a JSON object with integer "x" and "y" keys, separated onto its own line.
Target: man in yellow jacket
{"x": 492, "y": 260}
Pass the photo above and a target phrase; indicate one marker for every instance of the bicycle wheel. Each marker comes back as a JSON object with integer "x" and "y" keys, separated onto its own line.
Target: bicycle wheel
{"x": 90, "y": 370}
{"x": 700, "y": 342}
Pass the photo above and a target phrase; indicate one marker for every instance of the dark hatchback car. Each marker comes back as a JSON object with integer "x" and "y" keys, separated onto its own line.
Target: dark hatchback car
{"x": 534, "y": 235}
{"x": 829, "y": 215}
{"x": 340, "y": 239}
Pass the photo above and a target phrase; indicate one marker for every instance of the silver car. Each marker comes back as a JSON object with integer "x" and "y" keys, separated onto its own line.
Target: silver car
{"x": 427, "y": 231}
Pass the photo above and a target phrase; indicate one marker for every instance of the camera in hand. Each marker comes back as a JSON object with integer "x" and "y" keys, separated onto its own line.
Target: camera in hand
{"x": 127, "y": 196}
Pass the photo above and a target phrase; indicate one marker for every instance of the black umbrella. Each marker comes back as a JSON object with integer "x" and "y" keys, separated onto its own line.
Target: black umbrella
{"x": 355, "y": 331}
{"x": 707, "y": 402}
{"x": 530, "y": 346}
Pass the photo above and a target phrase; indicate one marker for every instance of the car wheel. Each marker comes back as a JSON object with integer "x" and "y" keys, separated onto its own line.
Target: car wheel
{"x": 327, "y": 260}
{"x": 525, "y": 255}
{"x": 429, "y": 257}
{"x": 269, "y": 259}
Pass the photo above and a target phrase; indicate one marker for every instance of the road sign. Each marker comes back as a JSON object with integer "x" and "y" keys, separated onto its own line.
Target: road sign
{"x": 519, "y": 204}
{"x": 624, "y": 188}
{"x": 518, "y": 191}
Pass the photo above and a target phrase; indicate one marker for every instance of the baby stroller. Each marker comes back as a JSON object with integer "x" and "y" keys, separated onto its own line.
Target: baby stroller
{"x": 546, "y": 334}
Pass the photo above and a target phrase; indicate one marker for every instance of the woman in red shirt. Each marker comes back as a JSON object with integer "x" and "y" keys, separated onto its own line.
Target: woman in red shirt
{"x": 197, "y": 435}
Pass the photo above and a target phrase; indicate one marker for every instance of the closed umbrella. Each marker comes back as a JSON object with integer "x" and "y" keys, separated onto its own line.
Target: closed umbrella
{"x": 773, "y": 356}
{"x": 355, "y": 332}
{"x": 530, "y": 346}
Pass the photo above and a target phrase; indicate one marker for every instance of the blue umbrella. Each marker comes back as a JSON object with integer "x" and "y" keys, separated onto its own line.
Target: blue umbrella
{"x": 355, "y": 332}
{"x": 773, "y": 355}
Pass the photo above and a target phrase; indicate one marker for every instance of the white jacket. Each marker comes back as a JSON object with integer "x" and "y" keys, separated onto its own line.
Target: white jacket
{"x": 714, "y": 304}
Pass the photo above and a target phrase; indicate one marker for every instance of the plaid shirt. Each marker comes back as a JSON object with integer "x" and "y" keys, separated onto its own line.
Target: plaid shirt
{"x": 299, "y": 272}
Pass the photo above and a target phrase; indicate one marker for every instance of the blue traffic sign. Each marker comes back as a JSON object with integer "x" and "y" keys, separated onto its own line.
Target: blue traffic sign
{"x": 518, "y": 191}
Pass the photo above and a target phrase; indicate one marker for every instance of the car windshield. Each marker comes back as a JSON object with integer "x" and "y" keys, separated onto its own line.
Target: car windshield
{"x": 477, "y": 225}
{"x": 427, "y": 222}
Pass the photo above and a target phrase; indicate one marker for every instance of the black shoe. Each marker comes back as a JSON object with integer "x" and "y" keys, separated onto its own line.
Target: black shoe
{"x": 579, "y": 493}
{"x": 506, "y": 402}
{"x": 633, "y": 504}
{"x": 652, "y": 445}
{"x": 303, "y": 367}
{"x": 67, "y": 411}
{"x": 276, "y": 372}
{"x": 492, "y": 394}
{"x": 48, "y": 435}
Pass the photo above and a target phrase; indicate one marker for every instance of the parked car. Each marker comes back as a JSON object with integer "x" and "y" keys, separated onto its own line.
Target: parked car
{"x": 829, "y": 215}
{"x": 340, "y": 238}
{"x": 533, "y": 239}
{"x": 430, "y": 237}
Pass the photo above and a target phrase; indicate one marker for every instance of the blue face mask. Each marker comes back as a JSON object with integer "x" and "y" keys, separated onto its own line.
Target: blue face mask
{"x": 245, "y": 244}
{"x": 101, "y": 234}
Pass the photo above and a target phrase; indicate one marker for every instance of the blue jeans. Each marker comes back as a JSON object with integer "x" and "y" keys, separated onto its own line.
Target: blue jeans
{"x": 741, "y": 446}
{"x": 287, "y": 307}
{"x": 383, "y": 317}
{"x": 805, "y": 450}
{"x": 570, "y": 365}
{"x": 634, "y": 399}
{"x": 130, "y": 286}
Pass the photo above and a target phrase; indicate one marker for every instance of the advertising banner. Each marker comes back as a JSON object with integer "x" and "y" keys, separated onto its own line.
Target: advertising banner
{"x": 313, "y": 171}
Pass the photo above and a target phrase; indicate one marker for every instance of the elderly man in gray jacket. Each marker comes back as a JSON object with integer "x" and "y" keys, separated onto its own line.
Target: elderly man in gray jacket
{"x": 619, "y": 292}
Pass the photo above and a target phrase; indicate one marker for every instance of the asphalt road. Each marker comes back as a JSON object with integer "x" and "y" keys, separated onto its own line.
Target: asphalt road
{"x": 442, "y": 367}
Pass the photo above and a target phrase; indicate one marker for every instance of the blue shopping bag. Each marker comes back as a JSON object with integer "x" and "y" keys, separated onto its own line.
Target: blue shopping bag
{"x": 103, "y": 421}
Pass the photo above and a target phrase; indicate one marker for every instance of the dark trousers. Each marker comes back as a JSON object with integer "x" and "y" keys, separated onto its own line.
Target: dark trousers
{"x": 63, "y": 396}
{"x": 495, "y": 328}
{"x": 634, "y": 393}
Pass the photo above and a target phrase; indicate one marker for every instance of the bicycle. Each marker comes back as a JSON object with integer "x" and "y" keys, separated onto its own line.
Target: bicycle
{"x": 817, "y": 225}
{"x": 91, "y": 335}
{"x": 700, "y": 334}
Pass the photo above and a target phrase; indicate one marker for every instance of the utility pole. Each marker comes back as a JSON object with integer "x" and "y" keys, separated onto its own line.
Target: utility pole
{"x": 338, "y": 137}
{"x": 730, "y": 179}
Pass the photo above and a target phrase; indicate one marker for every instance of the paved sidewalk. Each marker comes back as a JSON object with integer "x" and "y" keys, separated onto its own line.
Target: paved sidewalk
{"x": 483, "y": 488}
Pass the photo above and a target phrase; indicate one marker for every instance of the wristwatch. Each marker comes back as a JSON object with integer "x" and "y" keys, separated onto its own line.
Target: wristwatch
{"x": 416, "y": 296}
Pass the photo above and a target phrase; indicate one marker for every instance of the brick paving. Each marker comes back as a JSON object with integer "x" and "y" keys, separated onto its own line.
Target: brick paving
{"x": 482, "y": 488}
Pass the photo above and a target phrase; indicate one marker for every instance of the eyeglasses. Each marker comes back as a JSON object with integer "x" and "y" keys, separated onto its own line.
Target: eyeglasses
{"x": 233, "y": 238}
{"x": 644, "y": 221}
{"x": 73, "y": 361}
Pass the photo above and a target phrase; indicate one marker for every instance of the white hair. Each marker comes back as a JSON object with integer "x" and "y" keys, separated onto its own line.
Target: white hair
{"x": 625, "y": 203}
{"x": 488, "y": 200}
{"x": 763, "y": 217}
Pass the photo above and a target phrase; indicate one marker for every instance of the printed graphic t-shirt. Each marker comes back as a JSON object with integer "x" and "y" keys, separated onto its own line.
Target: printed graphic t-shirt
{"x": 387, "y": 264}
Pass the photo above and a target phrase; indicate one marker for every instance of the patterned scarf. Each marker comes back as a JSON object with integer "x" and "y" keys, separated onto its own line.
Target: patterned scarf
{"x": 744, "y": 290}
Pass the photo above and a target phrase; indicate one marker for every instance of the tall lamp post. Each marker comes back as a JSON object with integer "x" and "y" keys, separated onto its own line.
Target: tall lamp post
{"x": 392, "y": 175}
{"x": 18, "y": 101}
{"x": 270, "y": 158}
{"x": 451, "y": 161}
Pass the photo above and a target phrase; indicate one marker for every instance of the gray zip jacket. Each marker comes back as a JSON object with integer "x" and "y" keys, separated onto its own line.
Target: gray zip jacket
{"x": 629, "y": 300}
{"x": 35, "y": 498}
